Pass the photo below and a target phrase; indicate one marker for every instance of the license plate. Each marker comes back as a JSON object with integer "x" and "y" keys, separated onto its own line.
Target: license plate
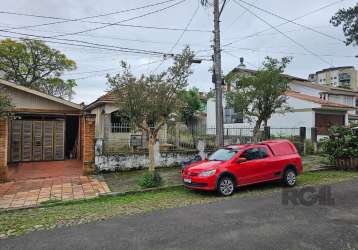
{"x": 187, "y": 180}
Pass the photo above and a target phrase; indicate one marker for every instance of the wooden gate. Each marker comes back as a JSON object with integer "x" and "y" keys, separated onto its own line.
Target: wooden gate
{"x": 34, "y": 140}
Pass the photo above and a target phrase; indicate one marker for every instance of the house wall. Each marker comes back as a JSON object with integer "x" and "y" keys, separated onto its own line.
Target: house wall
{"x": 301, "y": 116}
{"x": 3, "y": 150}
{"x": 87, "y": 138}
{"x": 24, "y": 100}
{"x": 122, "y": 162}
{"x": 104, "y": 131}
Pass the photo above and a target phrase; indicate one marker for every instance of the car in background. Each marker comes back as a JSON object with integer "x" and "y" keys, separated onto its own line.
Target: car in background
{"x": 240, "y": 165}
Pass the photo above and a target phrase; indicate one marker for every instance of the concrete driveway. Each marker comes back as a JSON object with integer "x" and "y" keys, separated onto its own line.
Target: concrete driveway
{"x": 256, "y": 222}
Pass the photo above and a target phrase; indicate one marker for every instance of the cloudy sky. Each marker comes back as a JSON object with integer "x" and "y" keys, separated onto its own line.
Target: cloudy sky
{"x": 311, "y": 52}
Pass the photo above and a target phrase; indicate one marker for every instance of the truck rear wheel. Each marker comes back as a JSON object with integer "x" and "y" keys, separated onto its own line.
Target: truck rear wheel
{"x": 289, "y": 177}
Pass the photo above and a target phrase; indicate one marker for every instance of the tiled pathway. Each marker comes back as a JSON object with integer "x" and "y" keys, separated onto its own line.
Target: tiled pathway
{"x": 24, "y": 193}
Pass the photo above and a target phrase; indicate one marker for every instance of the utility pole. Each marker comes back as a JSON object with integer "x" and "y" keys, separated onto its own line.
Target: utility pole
{"x": 217, "y": 77}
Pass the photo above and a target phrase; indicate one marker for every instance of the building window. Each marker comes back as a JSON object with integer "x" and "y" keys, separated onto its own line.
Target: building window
{"x": 230, "y": 116}
{"x": 119, "y": 122}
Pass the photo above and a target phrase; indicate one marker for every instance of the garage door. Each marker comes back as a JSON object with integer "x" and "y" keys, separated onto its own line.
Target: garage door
{"x": 33, "y": 140}
{"x": 325, "y": 121}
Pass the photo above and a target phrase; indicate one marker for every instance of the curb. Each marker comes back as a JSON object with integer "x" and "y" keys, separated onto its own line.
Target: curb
{"x": 109, "y": 194}
{"x": 146, "y": 190}
{"x": 323, "y": 168}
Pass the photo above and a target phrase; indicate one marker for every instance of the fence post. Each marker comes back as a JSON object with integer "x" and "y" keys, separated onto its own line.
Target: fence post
{"x": 177, "y": 135}
{"x": 267, "y": 134}
{"x": 314, "y": 139}
{"x": 302, "y": 138}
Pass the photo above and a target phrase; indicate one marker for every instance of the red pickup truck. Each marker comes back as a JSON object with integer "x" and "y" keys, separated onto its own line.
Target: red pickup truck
{"x": 239, "y": 165}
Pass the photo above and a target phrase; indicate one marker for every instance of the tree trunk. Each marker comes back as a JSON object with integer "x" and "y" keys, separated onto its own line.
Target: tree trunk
{"x": 151, "y": 144}
{"x": 256, "y": 130}
{"x": 265, "y": 123}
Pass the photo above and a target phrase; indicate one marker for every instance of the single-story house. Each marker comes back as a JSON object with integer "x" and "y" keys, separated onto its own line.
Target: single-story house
{"x": 44, "y": 128}
{"x": 113, "y": 128}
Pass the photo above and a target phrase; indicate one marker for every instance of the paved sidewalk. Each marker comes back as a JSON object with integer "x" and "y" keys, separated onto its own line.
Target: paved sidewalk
{"x": 24, "y": 193}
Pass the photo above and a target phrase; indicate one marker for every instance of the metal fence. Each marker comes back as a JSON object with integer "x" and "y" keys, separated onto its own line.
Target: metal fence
{"x": 121, "y": 138}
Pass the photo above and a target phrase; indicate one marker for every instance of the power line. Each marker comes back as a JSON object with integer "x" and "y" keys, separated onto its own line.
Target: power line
{"x": 124, "y": 20}
{"x": 181, "y": 35}
{"x": 230, "y": 54}
{"x": 124, "y": 49}
{"x": 290, "y": 21}
{"x": 66, "y": 20}
{"x": 109, "y": 70}
{"x": 285, "y": 35}
{"x": 86, "y": 46}
{"x": 104, "y": 23}
{"x": 284, "y": 23}
{"x": 6, "y": 25}
{"x": 287, "y": 52}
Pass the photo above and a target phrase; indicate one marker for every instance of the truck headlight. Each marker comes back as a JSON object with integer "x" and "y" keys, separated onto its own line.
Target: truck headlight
{"x": 207, "y": 173}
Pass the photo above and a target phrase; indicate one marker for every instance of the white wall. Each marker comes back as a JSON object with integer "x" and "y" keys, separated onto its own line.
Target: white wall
{"x": 302, "y": 116}
{"x": 281, "y": 124}
{"x": 304, "y": 89}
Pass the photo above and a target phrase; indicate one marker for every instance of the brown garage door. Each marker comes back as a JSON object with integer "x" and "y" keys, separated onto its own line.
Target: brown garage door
{"x": 33, "y": 140}
{"x": 325, "y": 121}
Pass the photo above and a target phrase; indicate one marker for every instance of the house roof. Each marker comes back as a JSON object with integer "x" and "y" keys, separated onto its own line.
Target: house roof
{"x": 317, "y": 100}
{"x": 326, "y": 89}
{"x": 109, "y": 97}
{"x": 334, "y": 68}
{"x": 307, "y": 83}
{"x": 252, "y": 71}
{"x": 41, "y": 94}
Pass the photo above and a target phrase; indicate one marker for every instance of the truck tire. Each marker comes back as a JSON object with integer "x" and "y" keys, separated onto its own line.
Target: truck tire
{"x": 289, "y": 177}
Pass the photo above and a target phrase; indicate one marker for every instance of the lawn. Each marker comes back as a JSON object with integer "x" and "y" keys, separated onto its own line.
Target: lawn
{"x": 128, "y": 180}
{"x": 23, "y": 221}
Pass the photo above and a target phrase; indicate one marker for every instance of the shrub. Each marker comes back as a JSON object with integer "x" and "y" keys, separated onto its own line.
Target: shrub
{"x": 342, "y": 143}
{"x": 309, "y": 149}
{"x": 150, "y": 180}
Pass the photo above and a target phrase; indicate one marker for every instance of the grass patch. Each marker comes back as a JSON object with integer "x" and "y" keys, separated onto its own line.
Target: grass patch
{"x": 76, "y": 212}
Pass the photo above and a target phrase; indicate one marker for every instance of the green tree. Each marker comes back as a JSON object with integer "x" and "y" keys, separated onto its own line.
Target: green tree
{"x": 191, "y": 105}
{"x": 348, "y": 18}
{"x": 31, "y": 63}
{"x": 5, "y": 104}
{"x": 149, "y": 101}
{"x": 260, "y": 95}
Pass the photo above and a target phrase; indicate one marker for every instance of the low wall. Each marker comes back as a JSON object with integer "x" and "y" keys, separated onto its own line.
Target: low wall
{"x": 132, "y": 161}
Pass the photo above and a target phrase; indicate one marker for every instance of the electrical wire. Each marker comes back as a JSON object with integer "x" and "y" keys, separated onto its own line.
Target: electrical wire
{"x": 181, "y": 36}
{"x": 124, "y": 49}
{"x": 290, "y": 21}
{"x": 124, "y": 20}
{"x": 284, "y": 23}
{"x": 66, "y": 20}
{"x": 285, "y": 35}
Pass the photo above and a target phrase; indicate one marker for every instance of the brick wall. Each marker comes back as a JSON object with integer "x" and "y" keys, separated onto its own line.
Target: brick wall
{"x": 3, "y": 149}
{"x": 87, "y": 134}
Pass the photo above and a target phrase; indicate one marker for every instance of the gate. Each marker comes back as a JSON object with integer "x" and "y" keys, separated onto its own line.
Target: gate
{"x": 34, "y": 140}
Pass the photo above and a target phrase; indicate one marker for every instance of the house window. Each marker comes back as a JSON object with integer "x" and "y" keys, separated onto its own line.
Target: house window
{"x": 119, "y": 122}
{"x": 230, "y": 116}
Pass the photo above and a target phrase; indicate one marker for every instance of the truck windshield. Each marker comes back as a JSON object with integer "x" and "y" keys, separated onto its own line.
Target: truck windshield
{"x": 223, "y": 154}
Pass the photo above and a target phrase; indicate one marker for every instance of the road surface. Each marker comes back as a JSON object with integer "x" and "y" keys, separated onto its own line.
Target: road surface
{"x": 256, "y": 222}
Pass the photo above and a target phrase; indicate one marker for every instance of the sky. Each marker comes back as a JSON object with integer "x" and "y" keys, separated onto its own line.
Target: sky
{"x": 311, "y": 51}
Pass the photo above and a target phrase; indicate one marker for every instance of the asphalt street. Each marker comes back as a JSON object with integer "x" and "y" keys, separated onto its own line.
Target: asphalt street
{"x": 255, "y": 222}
